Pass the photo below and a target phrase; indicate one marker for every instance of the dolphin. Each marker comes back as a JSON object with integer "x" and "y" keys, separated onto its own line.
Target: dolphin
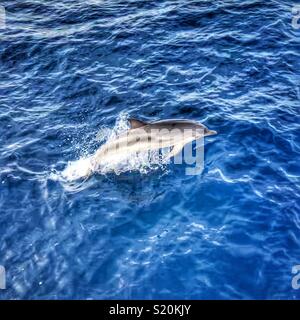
{"x": 145, "y": 136}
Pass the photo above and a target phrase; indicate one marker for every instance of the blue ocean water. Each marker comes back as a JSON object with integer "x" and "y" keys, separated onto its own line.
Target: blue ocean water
{"x": 69, "y": 68}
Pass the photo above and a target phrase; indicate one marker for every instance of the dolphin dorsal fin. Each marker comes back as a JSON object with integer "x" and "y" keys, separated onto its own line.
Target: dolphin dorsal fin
{"x": 134, "y": 123}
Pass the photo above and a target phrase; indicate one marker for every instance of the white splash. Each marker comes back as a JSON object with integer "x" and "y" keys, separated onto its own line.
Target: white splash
{"x": 142, "y": 162}
{"x": 77, "y": 169}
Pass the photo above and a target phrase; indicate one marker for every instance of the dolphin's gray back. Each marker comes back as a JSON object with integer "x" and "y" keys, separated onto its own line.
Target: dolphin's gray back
{"x": 171, "y": 124}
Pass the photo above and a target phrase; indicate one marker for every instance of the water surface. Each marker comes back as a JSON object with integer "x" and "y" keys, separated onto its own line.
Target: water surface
{"x": 69, "y": 68}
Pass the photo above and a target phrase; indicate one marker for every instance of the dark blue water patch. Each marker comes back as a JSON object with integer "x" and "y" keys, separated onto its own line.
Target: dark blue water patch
{"x": 68, "y": 69}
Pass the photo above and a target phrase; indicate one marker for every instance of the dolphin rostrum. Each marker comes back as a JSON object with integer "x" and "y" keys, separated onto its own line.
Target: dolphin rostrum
{"x": 145, "y": 136}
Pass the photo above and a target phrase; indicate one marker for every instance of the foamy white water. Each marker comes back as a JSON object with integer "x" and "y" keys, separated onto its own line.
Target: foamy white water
{"x": 77, "y": 169}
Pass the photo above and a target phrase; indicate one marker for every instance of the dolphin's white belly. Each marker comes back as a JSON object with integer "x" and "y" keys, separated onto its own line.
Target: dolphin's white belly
{"x": 127, "y": 145}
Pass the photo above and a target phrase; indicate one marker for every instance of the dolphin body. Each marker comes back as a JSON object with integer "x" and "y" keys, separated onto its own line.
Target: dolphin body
{"x": 145, "y": 136}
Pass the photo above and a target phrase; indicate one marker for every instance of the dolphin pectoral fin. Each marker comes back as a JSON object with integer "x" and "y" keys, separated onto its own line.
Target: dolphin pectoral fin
{"x": 175, "y": 150}
{"x": 134, "y": 123}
